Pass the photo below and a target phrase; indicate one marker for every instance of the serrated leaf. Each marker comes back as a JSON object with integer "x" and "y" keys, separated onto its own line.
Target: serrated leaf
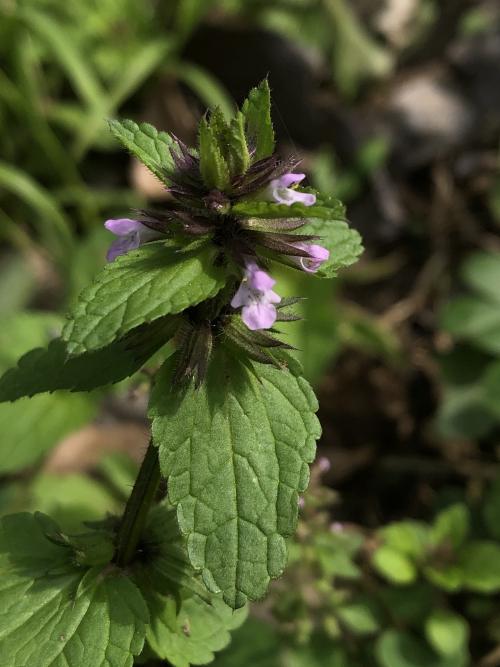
{"x": 213, "y": 167}
{"x": 144, "y": 141}
{"x": 50, "y": 369}
{"x": 344, "y": 244}
{"x": 259, "y": 127}
{"x": 54, "y": 614}
{"x": 235, "y": 453}
{"x": 192, "y": 634}
{"x": 140, "y": 287}
{"x": 238, "y": 156}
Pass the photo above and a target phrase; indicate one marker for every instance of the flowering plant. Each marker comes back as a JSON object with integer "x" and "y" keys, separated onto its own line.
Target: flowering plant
{"x": 233, "y": 420}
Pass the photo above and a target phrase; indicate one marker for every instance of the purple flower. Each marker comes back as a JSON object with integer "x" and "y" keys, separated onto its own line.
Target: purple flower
{"x": 324, "y": 464}
{"x": 317, "y": 255}
{"x": 131, "y": 234}
{"x": 279, "y": 190}
{"x": 256, "y": 298}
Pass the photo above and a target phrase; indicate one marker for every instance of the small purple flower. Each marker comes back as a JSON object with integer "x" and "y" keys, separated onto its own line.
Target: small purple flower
{"x": 131, "y": 234}
{"x": 280, "y": 191}
{"x": 317, "y": 255}
{"x": 256, "y": 298}
{"x": 324, "y": 464}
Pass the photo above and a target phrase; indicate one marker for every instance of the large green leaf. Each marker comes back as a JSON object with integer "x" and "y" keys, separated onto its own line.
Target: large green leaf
{"x": 149, "y": 145}
{"x": 236, "y": 453}
{"x": 192, "y": 634}
{"x": 259, "y": 128}
{"x": 49, "y": 369}
{"x": 54, "y": 614}
{"x": 139, "y": 287}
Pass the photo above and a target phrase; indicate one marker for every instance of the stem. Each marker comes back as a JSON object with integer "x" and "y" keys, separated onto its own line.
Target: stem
{"x": 137, "y": 507}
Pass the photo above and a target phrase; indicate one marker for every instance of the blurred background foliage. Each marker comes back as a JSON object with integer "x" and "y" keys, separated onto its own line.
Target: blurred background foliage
{"x": 394, "y": 106}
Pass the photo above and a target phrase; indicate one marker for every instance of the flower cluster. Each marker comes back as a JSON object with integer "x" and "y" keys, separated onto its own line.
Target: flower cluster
{"x": 254, "y": 296}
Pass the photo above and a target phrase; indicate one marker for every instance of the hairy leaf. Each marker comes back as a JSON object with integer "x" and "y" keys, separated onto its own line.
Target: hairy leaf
{"x": 54, "y": 614}
{"x": 144, "y": 141}
{"x": 192, "y": 634}
{"x": 326, "y": 209}
{"x": 236, "y": 454}
{"x": 344, "y": 244}
{"x": 259, "y": 128}
{"x": 213, "y": 166}
{"x": 49, "y": 369}
{"x": 141, "y": 286}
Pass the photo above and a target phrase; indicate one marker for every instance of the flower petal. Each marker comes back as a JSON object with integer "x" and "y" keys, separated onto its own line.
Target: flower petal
{"x": 259, "y": 315}
{"x": 242, "y": 296}
{"x": 123, "y": 226}
{"x": 287, "y": 180}
{"x": 122, "y": 245}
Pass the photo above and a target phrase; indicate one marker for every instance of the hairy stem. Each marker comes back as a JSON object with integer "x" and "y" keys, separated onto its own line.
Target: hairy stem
{"x": 137, "y": 508}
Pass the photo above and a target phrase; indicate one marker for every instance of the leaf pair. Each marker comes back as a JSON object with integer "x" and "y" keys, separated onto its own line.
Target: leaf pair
{"x": 56, "y": 612}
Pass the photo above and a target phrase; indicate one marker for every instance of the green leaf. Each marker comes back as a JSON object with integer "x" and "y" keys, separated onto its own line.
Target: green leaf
{"x": 254, "y": 643}
{"x": 344, "y": 244}
{"x": 259, "y": 127}
{"x": 213, "y": 167}
{"x": 408, "y": 537}
{"x": 481, "y": 272}
{"x": 141, "y": 286}
{"x": 479, "y": 563}
{"x": 399, "y": 649}
{"x": 360, "y": 617}
{"x": 71, "y": 499}
{"x": 30, "y": 428}
{"x": 473, "y": 319}
{"x": 144, "y": 141}
{"x": 238, "y": 157}
{"x": 50, "y": 369}
{"x": 327, "y": 209}
{"x": 192, "y": 634}
{"x": 394, "y": 565}
{"x": 235, "y": 453}
{"x": 451, "y": 525}
{"x": 447, "y": 633}
{"x": 54, "y": 614}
